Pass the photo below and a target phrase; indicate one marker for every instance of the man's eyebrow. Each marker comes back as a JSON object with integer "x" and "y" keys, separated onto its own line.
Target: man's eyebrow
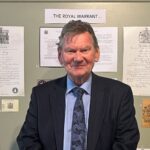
{"x": 86, "y": 47}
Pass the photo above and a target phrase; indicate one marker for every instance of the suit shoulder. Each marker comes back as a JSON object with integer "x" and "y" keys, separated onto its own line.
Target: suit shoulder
{"x": 110, "y": 83}
{"x": 51, "y": 84}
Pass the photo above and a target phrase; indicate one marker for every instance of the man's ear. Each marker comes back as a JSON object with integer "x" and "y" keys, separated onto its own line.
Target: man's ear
{"x": 60, "y": 57}
{"x": 97, "y": 55}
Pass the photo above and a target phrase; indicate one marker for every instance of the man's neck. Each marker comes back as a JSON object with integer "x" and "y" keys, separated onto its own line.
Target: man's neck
{"x": 79, "y": 80}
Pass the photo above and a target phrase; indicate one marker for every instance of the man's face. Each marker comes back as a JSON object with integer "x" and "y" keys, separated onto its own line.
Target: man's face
{"x": 78, "y": 55}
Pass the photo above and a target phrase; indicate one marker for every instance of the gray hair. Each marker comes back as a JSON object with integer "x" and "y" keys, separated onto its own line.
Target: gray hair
{"x": 76, "y": 27}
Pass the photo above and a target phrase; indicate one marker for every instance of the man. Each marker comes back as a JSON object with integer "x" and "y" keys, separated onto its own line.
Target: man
{"x": 109, "y": 114}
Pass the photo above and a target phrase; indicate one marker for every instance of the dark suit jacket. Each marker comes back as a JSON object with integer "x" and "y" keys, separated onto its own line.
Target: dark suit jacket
{"x": 112, "y": 124}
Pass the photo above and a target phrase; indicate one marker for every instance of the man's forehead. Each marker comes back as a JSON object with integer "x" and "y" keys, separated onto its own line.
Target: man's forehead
{"x": 70, "y": 37}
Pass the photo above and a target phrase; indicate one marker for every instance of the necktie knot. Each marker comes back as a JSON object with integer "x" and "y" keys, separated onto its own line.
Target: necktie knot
{"x": 78, "y": 92}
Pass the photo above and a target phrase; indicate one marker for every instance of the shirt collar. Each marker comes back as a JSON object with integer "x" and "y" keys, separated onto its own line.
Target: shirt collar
{"x": 86, "y": 85}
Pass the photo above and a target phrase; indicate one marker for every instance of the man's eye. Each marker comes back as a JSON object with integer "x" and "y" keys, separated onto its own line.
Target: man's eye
{"x": 84, "y": 50}
{"x": 70, "y": 51}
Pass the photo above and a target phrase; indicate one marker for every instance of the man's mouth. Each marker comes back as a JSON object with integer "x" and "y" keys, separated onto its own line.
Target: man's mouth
{"x": 79, "y": 66}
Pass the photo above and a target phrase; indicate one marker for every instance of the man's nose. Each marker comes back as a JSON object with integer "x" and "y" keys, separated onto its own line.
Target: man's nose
{"x": 78, "y": 56}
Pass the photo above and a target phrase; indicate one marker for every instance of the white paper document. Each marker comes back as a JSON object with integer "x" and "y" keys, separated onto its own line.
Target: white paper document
{"x": 48, "y": 47}
{"x": 136, "y": 63}
{"x": 65, "y": 15}
{"x": 10, "y": 105}
{"x": 107, "y": 39}
{"x": 11, "y": 61}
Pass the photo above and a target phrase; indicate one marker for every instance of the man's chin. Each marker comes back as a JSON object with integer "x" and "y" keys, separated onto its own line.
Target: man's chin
{"x": 76, "y": 74}
{"x": 79, "y": 75}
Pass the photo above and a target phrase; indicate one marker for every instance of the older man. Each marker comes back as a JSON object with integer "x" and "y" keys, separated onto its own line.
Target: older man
{"x": 80, "y": 111}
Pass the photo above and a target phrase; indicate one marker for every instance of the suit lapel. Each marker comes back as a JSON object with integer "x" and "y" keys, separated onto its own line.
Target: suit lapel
{"x": 59, "y": 111}
{"x": 97, "y": 111}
